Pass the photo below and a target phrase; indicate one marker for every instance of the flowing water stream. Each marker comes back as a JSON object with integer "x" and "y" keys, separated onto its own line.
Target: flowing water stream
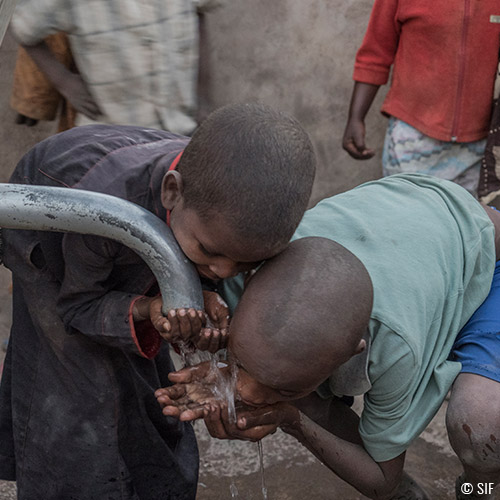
{"x": 223, "y": 389}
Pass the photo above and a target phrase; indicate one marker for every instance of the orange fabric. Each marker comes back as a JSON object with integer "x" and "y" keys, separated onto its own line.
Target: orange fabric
{"x": 444, "y": 56}
{"x": 32, "y": 93}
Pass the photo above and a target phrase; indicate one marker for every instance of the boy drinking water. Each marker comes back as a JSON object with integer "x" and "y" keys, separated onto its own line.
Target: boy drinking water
{"x": 78, "y": 418}
{"x": 369, "y": 300}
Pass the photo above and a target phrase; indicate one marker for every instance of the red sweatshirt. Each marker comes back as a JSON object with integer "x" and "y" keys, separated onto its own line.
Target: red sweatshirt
{"x": 445, "y": 55}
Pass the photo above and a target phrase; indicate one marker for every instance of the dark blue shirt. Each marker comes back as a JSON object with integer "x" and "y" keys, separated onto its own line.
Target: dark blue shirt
{"x": 78, "y": 415}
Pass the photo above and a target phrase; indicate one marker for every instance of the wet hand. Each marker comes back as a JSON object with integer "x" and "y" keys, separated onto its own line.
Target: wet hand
{"x": 354, "y": 140}
{"x": 211, "y": 339}
{"x": 281, "y": 414}
{"x": 250, "y": 424}
{"x": 215, "y": 335}
{"x": 186, "y": 402}
{"x": 216, "y": 309}
{"x": 180, "y": 325}
{"x": 192, "y": 395}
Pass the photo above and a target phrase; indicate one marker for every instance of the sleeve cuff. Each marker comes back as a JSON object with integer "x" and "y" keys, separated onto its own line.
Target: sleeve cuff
{"x": 375, "y": 77}
{"x": 144, "y": 334}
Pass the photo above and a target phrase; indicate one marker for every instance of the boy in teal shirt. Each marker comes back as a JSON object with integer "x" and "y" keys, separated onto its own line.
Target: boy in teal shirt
{"x": 370, "y": 300}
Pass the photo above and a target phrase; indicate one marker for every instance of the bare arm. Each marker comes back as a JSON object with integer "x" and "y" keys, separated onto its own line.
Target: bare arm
{"x": 68, "y": 84}
{"x": 353, "y": 141}
{"x": 327, "y": 430}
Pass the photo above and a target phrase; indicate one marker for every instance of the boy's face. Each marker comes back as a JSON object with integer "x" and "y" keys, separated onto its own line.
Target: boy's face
{"x": 253, "y": 393}
{"x": 212, "y": 245}
{"x": 264, "y": 378}
{"x": 210, "y": 242}
{"x": 266, "y": 355}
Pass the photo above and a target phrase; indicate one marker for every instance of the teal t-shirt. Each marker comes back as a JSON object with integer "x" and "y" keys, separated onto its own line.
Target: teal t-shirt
{"x": 428, "y": 246}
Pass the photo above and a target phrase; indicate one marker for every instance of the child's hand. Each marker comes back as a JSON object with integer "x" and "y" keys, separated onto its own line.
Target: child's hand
{"x": 192, "y": 394}
{"x": 180, "y": 325}
{"x": 354, "y": 141}
{"x": 186, "y": 402}
{"x": 252, "y": 424}
{"x": 211, "y": 339}
{"x": 216, "y": 309}
{"x": 215, "y": 335}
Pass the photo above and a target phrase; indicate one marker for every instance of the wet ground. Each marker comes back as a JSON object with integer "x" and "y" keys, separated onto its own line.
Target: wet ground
{"x": 291, "y": 472}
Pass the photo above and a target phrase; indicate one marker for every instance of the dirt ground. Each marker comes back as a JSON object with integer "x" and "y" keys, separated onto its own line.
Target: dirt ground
{"x": 232, "y": 469}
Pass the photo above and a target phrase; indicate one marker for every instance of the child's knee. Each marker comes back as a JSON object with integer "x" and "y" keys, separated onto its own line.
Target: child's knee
{"x": 473, "y": 425}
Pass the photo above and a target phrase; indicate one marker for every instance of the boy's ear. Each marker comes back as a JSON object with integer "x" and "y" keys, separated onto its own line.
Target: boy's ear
{"x": 361, "y": 347}
{"x": 171, "y": 189}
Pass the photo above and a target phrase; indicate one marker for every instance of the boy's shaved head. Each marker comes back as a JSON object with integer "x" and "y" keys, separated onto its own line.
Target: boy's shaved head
{"x": 302, "y": 315}
{"x": 254, "y": 166}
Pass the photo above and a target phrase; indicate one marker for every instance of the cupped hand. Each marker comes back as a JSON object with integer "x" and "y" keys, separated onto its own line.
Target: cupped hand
{"x": 211, "y": 339}
{"x": 215, "y": 335}
{"x": 179, "y": 325}
{"x": 193, "y": 394}
{"x": 186, "y": 402}
{"x": 216, "y": 309}
{"x": 250, "y": 424}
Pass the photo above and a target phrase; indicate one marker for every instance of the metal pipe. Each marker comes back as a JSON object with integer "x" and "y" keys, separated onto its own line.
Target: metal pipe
{"x": 43, "y": 208}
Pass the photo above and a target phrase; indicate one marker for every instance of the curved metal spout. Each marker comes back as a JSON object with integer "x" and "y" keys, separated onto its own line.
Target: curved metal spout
{"x": 43, "y": 208}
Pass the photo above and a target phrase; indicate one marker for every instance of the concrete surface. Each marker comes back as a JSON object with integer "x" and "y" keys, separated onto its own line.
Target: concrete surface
{"x": 296, "y": 56}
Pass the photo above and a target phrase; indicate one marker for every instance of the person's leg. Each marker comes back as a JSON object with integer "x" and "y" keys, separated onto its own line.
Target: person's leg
{"x": 473, "y": 416}
{"x": 407, "y": 150}
{"x": 473, "y": 422}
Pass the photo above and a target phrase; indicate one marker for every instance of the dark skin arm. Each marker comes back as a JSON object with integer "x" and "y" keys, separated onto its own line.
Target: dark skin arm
{"x": 68, "y": 84}
{"x": 340, "y": 448}
{"x": 327, "y": 428}
{"x": 188, "y": 324}
{"x": 353, "y": 141}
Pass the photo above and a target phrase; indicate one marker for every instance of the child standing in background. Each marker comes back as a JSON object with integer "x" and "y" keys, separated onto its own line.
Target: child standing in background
{"x": 443, "y": 57}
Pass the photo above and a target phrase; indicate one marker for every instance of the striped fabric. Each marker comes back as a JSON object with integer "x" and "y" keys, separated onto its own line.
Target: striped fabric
{"x": 406, "y": 150}
{"x": 139, "y": 58}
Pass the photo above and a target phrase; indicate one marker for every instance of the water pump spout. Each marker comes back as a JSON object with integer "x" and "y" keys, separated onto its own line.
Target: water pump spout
{"x": 43, "y": 208}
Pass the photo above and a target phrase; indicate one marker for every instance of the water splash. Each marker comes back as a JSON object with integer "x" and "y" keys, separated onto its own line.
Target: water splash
{"x": 224, "y": 385}
{"x": 224, "y": 388}
{"x": 191, "y": 356}
{"x": 262, "y": 476}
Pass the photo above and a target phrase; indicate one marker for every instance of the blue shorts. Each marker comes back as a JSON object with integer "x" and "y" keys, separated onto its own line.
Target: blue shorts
{"x": 477, "y": 345}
